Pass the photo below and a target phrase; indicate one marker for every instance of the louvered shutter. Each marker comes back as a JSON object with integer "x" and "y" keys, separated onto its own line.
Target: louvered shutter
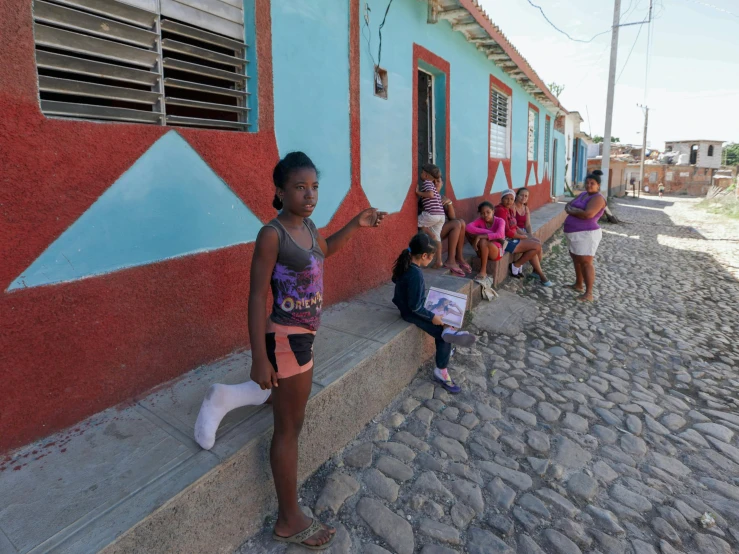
{"x": 143, "y": 61}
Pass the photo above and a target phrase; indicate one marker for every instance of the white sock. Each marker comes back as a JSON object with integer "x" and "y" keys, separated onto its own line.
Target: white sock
{"x": 515, "y": 270}
{"x": 221, "y": 399}
{"x": 442, "y": 374}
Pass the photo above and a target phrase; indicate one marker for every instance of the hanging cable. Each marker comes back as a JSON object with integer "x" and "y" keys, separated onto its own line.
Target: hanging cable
{"x": 717, "y": 8}
{"x": 379, "y": 50}
{"x": 565, "y": 33}
{"x": 629, "y": 56}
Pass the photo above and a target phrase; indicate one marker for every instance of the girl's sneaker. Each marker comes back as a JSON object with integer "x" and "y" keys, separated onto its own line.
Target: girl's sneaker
{"x": 449, "y": 385}
{"x": 460, "y": 338}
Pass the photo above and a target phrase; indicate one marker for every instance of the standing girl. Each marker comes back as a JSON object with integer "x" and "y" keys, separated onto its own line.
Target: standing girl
{"x": 410, "y": 297}
{"x": 288, "y": 259}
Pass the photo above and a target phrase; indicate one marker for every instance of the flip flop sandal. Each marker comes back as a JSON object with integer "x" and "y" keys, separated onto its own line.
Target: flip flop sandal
{"x": 451, "y": 388}
{"x": 304, "y": 535}
{"x": 455, "y": 271}
{"x": 465, "y": 267}
{"x": 460, "y": 338}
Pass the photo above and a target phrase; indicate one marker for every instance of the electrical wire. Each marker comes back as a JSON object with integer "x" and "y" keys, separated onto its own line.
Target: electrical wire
{"x": 379, "y": 50}
{"x": 629, "y": 56}
{"x": 565, "y": 33}
{"x": 717, "y": 8}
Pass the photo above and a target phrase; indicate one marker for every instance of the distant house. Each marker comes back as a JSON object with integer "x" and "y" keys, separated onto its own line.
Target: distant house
{"x": 580, "y": 144}
{"x": 700, "y": 153}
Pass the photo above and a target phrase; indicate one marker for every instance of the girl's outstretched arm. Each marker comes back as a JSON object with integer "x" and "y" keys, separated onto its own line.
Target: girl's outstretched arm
{"x": 262, "y": 264}
{"x": 366, "y": 218}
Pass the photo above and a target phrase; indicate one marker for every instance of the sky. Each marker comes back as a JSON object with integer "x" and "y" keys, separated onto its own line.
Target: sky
{"x": 693, "y": 79}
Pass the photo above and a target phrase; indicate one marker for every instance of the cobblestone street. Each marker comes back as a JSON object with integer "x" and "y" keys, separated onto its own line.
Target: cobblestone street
{"x": 606, "y": 428}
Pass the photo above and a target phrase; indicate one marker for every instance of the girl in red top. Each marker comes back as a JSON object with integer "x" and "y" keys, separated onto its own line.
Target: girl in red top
{"x": 518, "y": 242}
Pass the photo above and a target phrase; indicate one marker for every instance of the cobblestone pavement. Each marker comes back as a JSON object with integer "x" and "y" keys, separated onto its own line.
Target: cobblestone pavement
{"x": 603, "y": 428}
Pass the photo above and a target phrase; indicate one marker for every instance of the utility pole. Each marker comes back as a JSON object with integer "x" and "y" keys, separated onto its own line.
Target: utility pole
{"x": 606, "y": 163}
{"x": 643, "y": 146}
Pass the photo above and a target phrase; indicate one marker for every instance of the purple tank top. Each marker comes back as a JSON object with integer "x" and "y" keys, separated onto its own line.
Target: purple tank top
{"x": 575, "y": 224}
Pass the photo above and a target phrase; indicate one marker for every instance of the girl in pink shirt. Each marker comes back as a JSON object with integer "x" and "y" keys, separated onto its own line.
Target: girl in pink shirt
{"x": 487, "y": 235}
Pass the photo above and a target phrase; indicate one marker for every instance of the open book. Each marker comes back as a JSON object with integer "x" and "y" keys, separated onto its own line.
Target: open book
{"x": 449, "y": 305}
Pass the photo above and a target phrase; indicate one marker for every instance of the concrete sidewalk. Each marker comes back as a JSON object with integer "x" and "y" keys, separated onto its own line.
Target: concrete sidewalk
{"x": 134, "y": 473}
{"x": 132, "y": 478}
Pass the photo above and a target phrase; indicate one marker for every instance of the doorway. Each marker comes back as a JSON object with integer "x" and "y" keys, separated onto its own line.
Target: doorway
{"x": 426, "y": 139}
{"x": 554, "y": 168}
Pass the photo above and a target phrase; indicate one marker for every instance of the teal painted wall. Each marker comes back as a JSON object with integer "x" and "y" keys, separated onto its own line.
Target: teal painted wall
{"x": 310, "y": 57}
{"x": 169, "y": 203}
{"x": 386, "y": 131}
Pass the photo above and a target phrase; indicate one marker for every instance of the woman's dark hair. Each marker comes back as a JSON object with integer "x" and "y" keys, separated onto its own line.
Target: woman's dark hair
{"x": 594, "y": 175}
{"x": 420, "y": 244}
{"x": 485, "y": 204}
{"x": 520, "y": 191}
{"x": 283, "y": 169}
{"x": 432, "y": 170}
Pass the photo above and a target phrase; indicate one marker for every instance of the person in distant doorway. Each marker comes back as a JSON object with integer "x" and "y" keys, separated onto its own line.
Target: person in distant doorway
{"x": 661, "y": 189}
{"x": 288, "y": 260}
{"x": 583, "y": 233}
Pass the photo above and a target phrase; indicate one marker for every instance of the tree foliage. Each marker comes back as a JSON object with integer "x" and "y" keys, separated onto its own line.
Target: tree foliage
{"x": 731, "y": 154}
{"x": 597, "y": 139}
{"x": 556, "y": 89}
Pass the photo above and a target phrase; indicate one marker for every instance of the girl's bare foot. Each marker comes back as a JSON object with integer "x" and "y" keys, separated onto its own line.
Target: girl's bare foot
{"x": 437, "y": 266}
{"x": 576, "y": 288}
{"x": 481, "y": 276}
{"x": 585, "y": 298}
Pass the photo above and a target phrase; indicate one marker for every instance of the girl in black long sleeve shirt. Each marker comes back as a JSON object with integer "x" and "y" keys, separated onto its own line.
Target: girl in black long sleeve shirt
{"x": 410, "y": 297}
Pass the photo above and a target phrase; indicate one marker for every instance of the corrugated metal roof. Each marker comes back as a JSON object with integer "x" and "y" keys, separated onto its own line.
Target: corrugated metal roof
{"x": 469, "y": 18}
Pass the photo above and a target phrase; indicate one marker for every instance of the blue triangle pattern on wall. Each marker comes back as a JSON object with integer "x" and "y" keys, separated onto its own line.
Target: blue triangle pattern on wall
{"x": 169, "y": 203}
{"x": 500, "y": 183}
{"x": 532, "y": 177}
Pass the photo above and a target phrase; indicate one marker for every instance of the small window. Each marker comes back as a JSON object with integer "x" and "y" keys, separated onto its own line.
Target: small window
{"x": 109, "y": 60}
{"x": 710, "y": 151}
{"x": 499, "y": 124}
{"x": 533, "y": 135}
{"x": 547, "y": 137}
{"x": 694, "y": 154}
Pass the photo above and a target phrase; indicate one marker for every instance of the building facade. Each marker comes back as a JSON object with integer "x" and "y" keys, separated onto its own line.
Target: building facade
{"x": 138, "y": 140}
{"x": 700, "y": 153}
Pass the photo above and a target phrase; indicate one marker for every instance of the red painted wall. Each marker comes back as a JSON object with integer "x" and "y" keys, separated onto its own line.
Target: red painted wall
{"x": 72, "y": 349}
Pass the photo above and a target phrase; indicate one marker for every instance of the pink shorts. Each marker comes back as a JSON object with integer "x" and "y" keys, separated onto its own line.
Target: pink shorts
{"x": 289, "y": 349}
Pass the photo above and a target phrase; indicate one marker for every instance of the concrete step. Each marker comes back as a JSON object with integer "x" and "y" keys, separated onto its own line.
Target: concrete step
{"x": 132, "y": 478}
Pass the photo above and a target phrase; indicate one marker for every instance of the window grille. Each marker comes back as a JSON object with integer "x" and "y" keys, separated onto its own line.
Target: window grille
{"x": 499, "y": 124}
{"x": 547, "y": 137}
{"x": 184, "y": 63}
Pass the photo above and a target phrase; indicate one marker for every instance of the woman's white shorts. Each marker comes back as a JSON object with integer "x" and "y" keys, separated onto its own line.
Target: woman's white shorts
{"x": 584, "y": 243}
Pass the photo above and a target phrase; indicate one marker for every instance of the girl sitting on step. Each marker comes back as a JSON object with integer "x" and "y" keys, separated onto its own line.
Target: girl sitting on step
{"x": 410, "y": 298}
{"x": 487, "y": 236}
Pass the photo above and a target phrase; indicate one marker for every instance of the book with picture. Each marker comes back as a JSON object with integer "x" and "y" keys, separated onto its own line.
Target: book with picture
{"x": 447, "y": 304}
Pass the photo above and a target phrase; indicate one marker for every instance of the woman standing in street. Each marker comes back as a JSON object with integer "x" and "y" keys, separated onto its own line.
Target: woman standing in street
{"x": 583, "y": 233}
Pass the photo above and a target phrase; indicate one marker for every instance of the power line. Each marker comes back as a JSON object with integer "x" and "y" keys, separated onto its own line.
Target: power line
{"x": 565, "y": 33}
{"x": 629, "y": 56}
{"x": 717, "y": 8}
